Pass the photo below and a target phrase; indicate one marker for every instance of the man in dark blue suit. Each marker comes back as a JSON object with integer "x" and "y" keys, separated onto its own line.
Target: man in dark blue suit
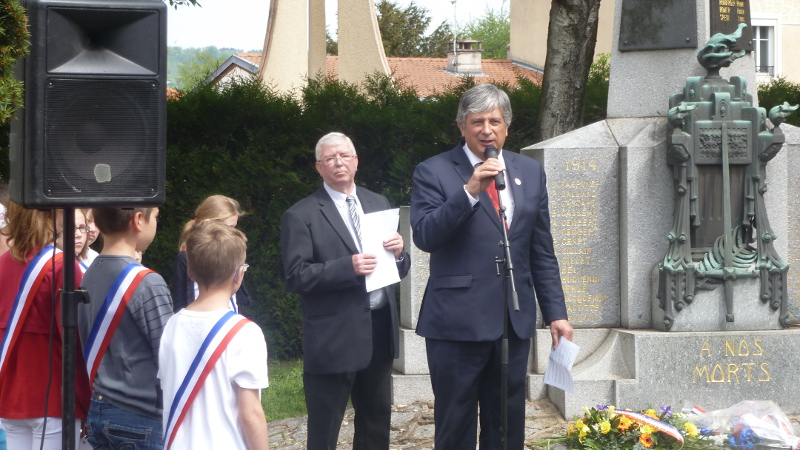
{"x": 454, "y": 217}
{"x": 350, "y": 336}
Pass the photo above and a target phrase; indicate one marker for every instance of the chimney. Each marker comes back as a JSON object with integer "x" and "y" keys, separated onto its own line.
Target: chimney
{"x": 466, "y": 59}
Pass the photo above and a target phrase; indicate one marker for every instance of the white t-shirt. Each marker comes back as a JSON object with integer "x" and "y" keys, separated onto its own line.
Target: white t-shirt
{"x": 213, "y": 418}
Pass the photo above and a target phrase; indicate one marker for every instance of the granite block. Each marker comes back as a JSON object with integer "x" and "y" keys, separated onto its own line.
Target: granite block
{"x": 413, "y": 359}
{"x": 412, "y": 287}
{"x": 582, "y": 176}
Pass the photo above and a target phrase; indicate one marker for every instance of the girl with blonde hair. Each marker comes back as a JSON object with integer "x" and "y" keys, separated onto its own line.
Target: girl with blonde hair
{"x": 217, "y": 208}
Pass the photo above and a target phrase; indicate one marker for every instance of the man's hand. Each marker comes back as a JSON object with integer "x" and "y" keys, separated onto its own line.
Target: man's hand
{"x": 364, "y": 264}
{"x": 394, "y": 244}
{"x": 483, "y": 176}
{"x": 558, "y": 328}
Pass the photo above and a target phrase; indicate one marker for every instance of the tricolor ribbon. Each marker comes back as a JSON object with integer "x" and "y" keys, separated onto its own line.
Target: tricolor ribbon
{"x": 653, "y": 423}
{"x": 109, "y": 316}
{"x": 213, "y": 347}
{"x": 28, "y": 288}
{"x": 83, "y": 266}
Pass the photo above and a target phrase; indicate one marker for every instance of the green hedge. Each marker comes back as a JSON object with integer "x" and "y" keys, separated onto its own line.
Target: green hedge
{"x": 778, "y": 91}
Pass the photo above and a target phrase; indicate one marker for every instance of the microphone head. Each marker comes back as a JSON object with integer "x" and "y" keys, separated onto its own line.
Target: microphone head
{"x": 490, "y": 152}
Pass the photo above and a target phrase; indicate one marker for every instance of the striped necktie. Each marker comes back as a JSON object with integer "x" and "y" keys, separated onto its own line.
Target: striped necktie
{"x": 351, "y": 203}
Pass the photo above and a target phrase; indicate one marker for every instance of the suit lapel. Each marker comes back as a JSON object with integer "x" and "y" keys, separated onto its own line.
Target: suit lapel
{"x": 331, "y": 213}
{"x": 517, "y": 190}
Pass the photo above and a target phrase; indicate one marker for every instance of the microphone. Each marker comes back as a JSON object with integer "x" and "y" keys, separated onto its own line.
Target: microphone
{"x": 499, "y": 179}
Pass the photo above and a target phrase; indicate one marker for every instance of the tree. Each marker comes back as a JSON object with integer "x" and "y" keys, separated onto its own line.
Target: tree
{"x": 188, "y": 67}
{"x": 331, "y": 46}
{"x": 494, "y": 29}
{"x": 403, "y": 31}
{"x": 571, "y": 39}
{"x": 13, "y": 45}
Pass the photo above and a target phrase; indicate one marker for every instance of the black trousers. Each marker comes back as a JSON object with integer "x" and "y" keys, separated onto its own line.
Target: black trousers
{"x": 370, "y": 390}
{"x": 467, "y": 374}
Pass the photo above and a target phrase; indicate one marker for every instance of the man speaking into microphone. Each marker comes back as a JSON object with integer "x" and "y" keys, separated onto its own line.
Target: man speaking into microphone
{"x": 455, "y": 217}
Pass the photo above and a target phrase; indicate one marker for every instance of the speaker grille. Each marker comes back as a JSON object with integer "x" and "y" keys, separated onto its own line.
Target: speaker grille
{"x": 101, "y": 138}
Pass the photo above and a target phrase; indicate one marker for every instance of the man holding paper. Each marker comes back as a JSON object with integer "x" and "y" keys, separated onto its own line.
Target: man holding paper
{"x": 350, "y": 335}
{"x": 454, "y": 216}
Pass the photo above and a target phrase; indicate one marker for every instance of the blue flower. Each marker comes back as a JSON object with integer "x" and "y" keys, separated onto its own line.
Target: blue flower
{"x": 666, "y": 410}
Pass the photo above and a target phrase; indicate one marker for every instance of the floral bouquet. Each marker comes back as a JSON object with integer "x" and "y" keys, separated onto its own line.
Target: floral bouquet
{"x": 607, "y": 428}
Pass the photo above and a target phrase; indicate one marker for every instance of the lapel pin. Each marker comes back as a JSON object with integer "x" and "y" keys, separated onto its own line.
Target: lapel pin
{"x": 518, "y": 181}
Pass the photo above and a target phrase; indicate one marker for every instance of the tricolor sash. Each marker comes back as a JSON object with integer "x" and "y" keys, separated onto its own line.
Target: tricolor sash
{"x": 83, "y": 266}
{"x": 28, "y": 288}
{"x": 654, "y": 423}
{"x": 207, "y": 356}
{"x": 110, "y": 314}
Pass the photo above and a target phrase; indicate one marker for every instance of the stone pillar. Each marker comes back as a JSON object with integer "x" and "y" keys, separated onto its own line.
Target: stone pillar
{"x": 360, "y": 46}
{"x": 316, "y": 38}
{"x": 286, "y": 46}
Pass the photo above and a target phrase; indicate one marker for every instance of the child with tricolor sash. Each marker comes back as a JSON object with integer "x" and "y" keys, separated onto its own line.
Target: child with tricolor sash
{"x": 213, "y": 362}
{"x": 120, "y": 330}
{"x": 31, "y": 275}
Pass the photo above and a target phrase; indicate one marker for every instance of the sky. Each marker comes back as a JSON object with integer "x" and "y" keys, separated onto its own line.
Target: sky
{"x": 242, "y": 24}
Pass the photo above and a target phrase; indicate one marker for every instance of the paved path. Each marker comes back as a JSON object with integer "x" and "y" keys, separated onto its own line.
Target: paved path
{"x": 412, "y": 427}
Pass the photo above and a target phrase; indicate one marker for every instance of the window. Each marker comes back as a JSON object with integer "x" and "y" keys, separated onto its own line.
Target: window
{"x": 764, "y": 49}
{"x": 766, "y": 45}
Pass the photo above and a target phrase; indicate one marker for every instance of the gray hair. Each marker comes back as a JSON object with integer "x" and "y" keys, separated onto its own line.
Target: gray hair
{"x": 332, "y": 138}
{"x": 483, "y": 98}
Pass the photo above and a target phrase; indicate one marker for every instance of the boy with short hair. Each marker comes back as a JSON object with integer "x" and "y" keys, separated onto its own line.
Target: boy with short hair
{"x": 213, "y": 362}
{"x": 120, "y": 330}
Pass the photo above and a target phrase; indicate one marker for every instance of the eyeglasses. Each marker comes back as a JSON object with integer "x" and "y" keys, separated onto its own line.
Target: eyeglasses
{"x": 82, "y": 230}
{"x": 245, "y": 267}
{"x": 332, "y": 160}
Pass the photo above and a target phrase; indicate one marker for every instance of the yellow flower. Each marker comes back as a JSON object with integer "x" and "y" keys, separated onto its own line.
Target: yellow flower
{"x": 647, "y": 429}
{"x": 652, "y": 413}
{"x": 605, "y": 427}
{"x": 579, "y": 424}
{"x": 571, "y": 430}
{"x": 624, "y": 423}
{"x": 691, "y": 429}
{"x": 583, "y": 432}
{"x": 645, "y": 439}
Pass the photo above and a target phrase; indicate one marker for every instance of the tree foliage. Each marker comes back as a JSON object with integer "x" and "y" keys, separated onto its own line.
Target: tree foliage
{"x": 331, "y": 46}
{"x": 778, "y": 91}
{"x": 403, "y": 31}
{"x": 187, "y": 67}
{"x": 13, "y": 45}
{"x": 494, "y": 29}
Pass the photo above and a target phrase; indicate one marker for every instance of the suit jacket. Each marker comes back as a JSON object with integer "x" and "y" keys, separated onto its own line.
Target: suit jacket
{"x": 317, "y": 262}
{"x": 463, "y": 299}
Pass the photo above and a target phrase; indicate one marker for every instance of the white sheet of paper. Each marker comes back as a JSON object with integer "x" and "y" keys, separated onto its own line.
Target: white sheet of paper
{"x": 559, "y": 365}
{"x": 375, "y": 228}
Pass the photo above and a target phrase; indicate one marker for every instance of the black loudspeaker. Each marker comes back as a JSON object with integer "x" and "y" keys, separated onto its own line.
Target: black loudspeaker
{"x": 93, "y": 129}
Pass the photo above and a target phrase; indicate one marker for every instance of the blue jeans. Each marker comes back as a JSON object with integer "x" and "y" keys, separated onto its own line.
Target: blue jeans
{"x": 110, "y": 427}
